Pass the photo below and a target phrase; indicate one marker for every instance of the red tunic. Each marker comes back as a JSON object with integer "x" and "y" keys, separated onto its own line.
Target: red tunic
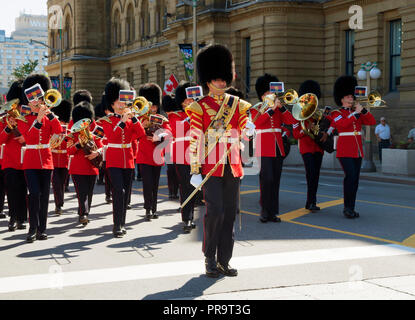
{"x": 80, "y": 165}
{"x": 37, "y": 154}
{"x": 269, "y": 132}
{"x": 349, "y": 127}
{"x": 11, "y": 149}
{"x": 305, "y": 143}
{"x": 60, "y": 154}
{"x": 119, "y": 151}
{"x": 180, "y": 126}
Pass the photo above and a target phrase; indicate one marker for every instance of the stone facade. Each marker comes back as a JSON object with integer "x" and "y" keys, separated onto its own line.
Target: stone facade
{"x": 297, "y": 40}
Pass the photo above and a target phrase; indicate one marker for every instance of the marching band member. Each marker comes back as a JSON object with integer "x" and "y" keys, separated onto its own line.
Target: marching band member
{"x": 180, "y": 125}
{"x": 151, "y": 152}
{"x": 169, "y": 105}
{"x": 310, "y": 151}
{"x": 270, "y": 149}
{"x": 348, "y": 121}
{"x": 13, "y": 170}
{"x": 119, "y": 155}
{"x": 61, "y": 157}
{"x": 37, "y": 159}
{"x": 216, "y": 122}
{"x": 82, "y": 171}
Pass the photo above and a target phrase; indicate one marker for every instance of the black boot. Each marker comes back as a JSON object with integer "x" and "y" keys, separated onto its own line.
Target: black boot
{"x": 211, "y": 268}
{"x": 226, "y": 270}
{"x": 148, "y": 215}
{"x": 187, "y": 226}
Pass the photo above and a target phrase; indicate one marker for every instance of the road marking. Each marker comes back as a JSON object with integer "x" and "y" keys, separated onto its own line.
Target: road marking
{"x": 61, "y": 279}
{"x": 302, "y": 212}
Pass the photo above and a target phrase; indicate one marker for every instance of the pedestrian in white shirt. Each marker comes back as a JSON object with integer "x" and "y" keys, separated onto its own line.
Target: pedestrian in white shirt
{"x": 411, "y": 135}
{"x": 383, "y": 134}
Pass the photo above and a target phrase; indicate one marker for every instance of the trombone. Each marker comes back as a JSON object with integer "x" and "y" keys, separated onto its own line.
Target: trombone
{"x": 373, "y": 100}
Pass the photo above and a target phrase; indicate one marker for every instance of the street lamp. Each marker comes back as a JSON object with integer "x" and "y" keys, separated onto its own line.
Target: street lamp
{"x": 367, "y": 72}
{"x": 60, "y": 52}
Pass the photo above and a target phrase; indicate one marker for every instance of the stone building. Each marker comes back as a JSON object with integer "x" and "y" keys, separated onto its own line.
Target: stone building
{"x": 296, "y": 40}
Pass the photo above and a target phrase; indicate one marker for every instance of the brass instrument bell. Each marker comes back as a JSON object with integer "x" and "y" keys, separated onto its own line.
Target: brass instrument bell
{"x": 141, "y": 106}
{"x": 53, "y": 98}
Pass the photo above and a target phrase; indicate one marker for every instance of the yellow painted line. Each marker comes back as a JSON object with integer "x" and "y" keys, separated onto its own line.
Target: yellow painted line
{"x": 387, "y": 204}
{"x": 302, "y": 212}
{"x": 249, "y": 192}
{"x": 409, "y": 242}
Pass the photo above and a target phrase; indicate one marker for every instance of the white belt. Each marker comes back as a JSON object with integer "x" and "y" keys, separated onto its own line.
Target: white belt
{"x": 2, "y": 151}
{"x": 59, "y": 151}
{"x": 37, "y": 146}
{"x": 119, "y": 146}
{"x": 228, "y": 140}
{"x": 345, "y": 134}
{"x": 188, "y": 138}
{"x": 268, "y": 131}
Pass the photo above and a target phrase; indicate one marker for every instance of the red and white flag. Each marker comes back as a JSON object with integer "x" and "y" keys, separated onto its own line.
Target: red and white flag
{"x": 170, "y": 85}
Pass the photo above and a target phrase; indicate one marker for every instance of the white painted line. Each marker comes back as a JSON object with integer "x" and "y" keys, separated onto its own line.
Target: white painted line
{"x": 59, "y": 279}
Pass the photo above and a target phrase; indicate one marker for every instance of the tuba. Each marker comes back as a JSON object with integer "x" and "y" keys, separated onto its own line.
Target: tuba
{"x": 307, "y": 108}
{"x": 53, "y": 98}
{"x": 86, "y": 140}
{"x": 11, "y": 110}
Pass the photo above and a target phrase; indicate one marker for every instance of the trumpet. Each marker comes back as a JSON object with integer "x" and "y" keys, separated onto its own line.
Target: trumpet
{"x": 289, "y": 97}
{"x": 53, "y": 98}
{"x": 140, "y": 107}
{"x": 11, "y": 110}
{"x": 373, "y": 100}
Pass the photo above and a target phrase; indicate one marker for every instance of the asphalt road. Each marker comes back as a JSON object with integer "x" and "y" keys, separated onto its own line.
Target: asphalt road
{"x": 155, "y": 260}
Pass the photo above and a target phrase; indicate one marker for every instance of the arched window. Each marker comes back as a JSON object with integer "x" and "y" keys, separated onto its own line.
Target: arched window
{"x": 130, "y": 24}
{"x": 67, "y": 40}
{"x": 116, "y": 29}
{"x": 144, "y": 20}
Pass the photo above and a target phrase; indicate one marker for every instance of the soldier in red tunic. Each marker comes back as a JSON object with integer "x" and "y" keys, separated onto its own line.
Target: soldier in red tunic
{"x": 13, "y": 169}
{"x": 120, "y": 130}
{"x": 37, "y": 158}
{"x": 348, "y": 120}
{"x": 217, "y": 122}
{"x": 270, "y": 149}
{"x": 61, "y": 157}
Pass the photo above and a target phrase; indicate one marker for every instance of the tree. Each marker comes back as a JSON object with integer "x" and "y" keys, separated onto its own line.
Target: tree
{"x": 21, "y": 72}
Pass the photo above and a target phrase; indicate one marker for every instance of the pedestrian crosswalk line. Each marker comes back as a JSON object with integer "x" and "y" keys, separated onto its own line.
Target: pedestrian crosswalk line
{"x": 58, "y": 279}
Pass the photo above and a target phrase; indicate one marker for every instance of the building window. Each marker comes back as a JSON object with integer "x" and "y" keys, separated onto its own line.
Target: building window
{"x": 130, "y": 77}
{"x": 116, "y": 29}
{"x": 349, "y": 56}
{"x": 247, "y": 67}
{"x": 67, "y": 33}
{"x": 395, "y": 54}
{"x": 130, "y": 24}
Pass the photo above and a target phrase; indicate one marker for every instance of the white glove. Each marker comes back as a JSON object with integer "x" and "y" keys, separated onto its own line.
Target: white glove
{"x": 196, "y": 180}
{"x": 158, "y": 137}
{"x": 250, "y": 126}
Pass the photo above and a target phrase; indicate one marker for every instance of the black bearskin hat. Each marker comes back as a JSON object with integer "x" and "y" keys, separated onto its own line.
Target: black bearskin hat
{"x": 63, "y": 111}
{"x": 235, "y": 92}
{"x": 81, "y": 111}
{"x": 262, "y": 84}
{"x": 33, "y": 79}
{"x": 16, "y": 91}
{"x": 344, "y": 86}
{"x": 152, "y": 92}
{"x": 180, "y": 93}
{"x": 112, "y": 91}
{"x": 169, "y": 103}
{"x": 214, "y": 62}
{"x": 99, "y": 111}
{"x": 82, "y": 95}
{"x": 310, "y": 86}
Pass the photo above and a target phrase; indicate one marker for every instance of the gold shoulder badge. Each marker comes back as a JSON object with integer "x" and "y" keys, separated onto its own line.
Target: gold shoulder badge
{"x": 194, "y": 107}
{"x": 244, "y": 106}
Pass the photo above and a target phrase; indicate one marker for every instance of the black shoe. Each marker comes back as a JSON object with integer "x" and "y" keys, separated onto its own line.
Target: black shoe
{"x": 118, "y": 232}
{"x": 67, "y": 189}
{"x": 129, "y": 207}
{"x": 227, "y": 270}
{"x": 41, "y": 236}
{"x": 12, "y": 226}
{"x": 154, "y": 215}
{"x": 211, "y": 268}
{"x": 349, "y": 214}
{"x": 100, "y": 182}
{"x": 356, "y": 214}
{"x": 274, "y": 219}
{"x": 313, "y": 208}
{"x": 83, "y": 220}
{"x": 123, "y": 230}
{"x": 108, "y": 199}
{"x": 148, "y": 215}
{"x": 2, "y": 216}
{"x": 31, "y": 237}
{"x": 187, "y": 226}
{"x": 21, "y": 226}
{"x": 263, "y": 220}
{"x": 58, "y": 211}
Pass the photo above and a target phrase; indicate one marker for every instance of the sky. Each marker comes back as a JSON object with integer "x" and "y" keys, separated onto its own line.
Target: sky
{"x": 11, "y": 9}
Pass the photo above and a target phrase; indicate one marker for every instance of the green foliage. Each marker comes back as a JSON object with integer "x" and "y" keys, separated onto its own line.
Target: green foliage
{"x": 22, "y": 71}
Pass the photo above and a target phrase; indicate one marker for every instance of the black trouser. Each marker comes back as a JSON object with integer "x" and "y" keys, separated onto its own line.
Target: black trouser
{"x": 186, "y": 189}
{"x": 38, "y": 184}
{"x": 84, "y": 187}
{"x": 351, "y": 168}
{"x": 131, "y": 187}
{"x": 312, "y": 163}
{"x": 137, "y": 166}
{"x": 151, "y": 177}
{"x": 107, "y": 181}
{"x": 269, "y": 183}
{"x": 383, "y": 144}
{"x": 222, "y": 202}
{"x": 16, "y": 194}
{"x": 2, "y": 190}
{"x": 120, "y": 187}
{"x": 59, "y": 178}
{"x": 172, "y": 180}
